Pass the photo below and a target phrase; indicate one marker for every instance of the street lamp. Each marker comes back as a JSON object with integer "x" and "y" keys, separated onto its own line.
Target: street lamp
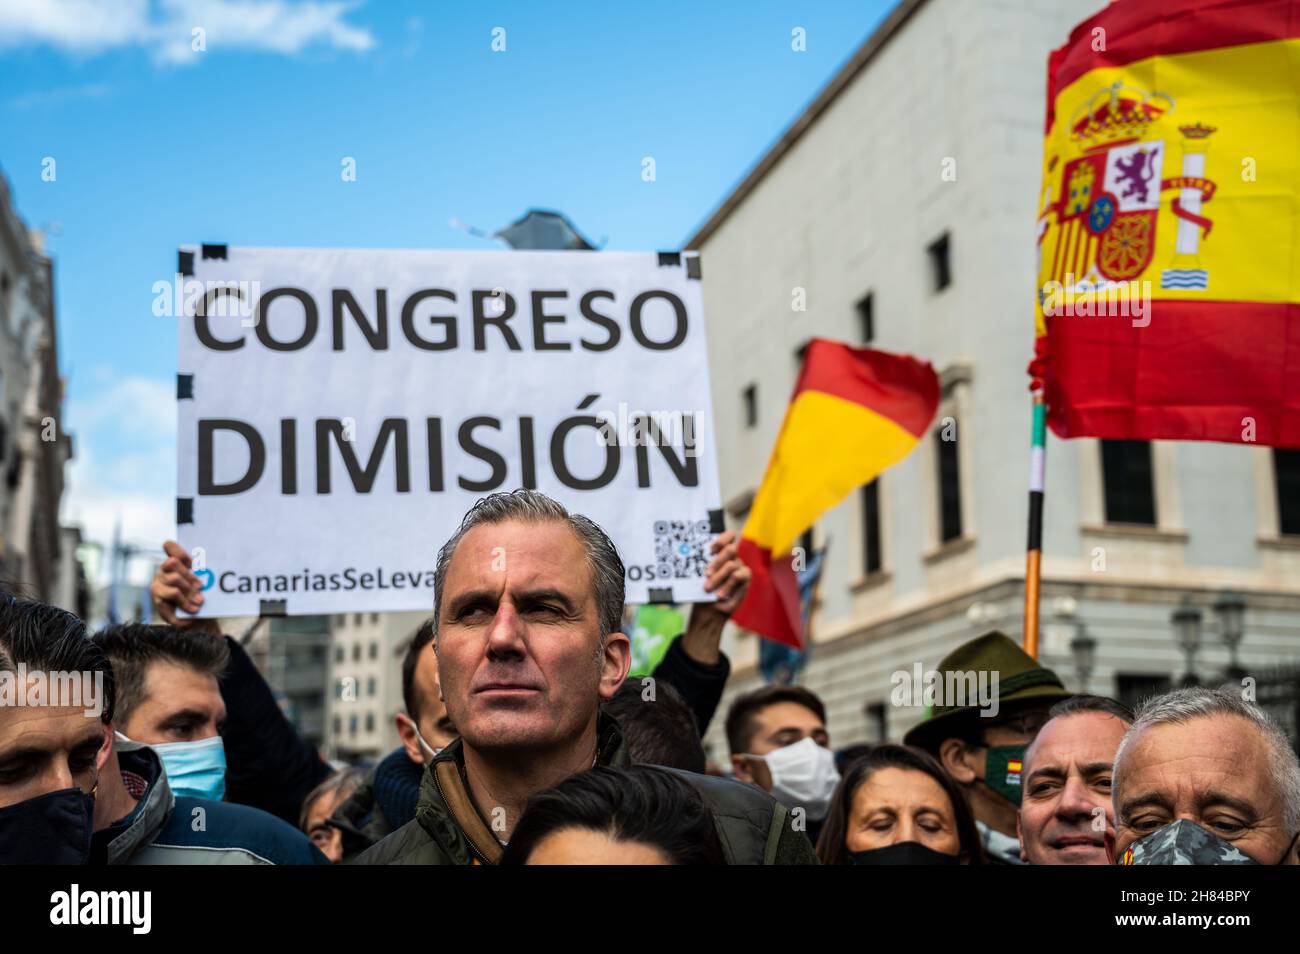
{"x": 1231, "y": 610}
{"x": 1187, "y": 632}
{"x": 1084, "y": 648}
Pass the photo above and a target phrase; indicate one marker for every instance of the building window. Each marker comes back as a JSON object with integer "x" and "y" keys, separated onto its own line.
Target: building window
{"x": 866, "y": 320}
{"x": 1128, "y": 482}
{"x": 878, "y": 722}
{"x": 940, "y": 266}
{"x": 1286, "y": 474}
{"x": 871, "y": 528}
{"x": 353, "y": 722}
{"x": 750, "y": 396}
{"x": 342, "y": 619}
{"x": 340, "y": 654}
{"x": 374, "y": 617}
{"x": 338, "y": 725}
{"x": 370, "y": 722}
{"x": 358, "y": 618}
{"x": 356, "y": 652}
{"x": 371, "y": 685}
{"x": 949, "y": 476}
{"x": 374, "y": 650}
{"x": 1131, "y": 689}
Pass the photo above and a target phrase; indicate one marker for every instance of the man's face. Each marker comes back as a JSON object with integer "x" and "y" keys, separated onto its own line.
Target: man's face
{"x": 1212, "y": 770}
{"x": 1065, "y": 806}
{"x": 1020, "y": 728}
{"x": 46, "y": 749}
{"x": 433, "y": 723}
{"x": 520, "y": 661}
{"x": 775, "y": 727}
{"x": 180, "y": 704}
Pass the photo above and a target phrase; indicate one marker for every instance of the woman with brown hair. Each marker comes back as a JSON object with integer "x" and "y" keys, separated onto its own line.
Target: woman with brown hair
{"x": 896, "y": 805}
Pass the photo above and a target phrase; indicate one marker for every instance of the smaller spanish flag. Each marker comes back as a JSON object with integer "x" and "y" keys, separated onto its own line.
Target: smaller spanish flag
{"x": 854, "y": 413}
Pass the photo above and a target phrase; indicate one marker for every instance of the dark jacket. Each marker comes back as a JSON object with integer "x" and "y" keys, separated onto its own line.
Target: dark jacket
{"x": 167, "y": 829}
{"x": 699, "y": 684}
{"x": 268, "y": 765}
{"x": 382, "y": 804}
{"x": 448, "y": 830}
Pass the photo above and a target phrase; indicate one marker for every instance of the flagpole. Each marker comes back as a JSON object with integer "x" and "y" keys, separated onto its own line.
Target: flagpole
{"x": 1034, "y": 553}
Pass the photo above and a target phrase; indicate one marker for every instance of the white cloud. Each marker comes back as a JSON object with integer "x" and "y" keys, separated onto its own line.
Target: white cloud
{"x": 81, "y": 26}
{"x": 167, "y": 29}
{"x": 138, "y": 408}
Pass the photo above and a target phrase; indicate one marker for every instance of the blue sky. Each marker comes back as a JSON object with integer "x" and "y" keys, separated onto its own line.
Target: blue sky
{"x": 157, "y": 144}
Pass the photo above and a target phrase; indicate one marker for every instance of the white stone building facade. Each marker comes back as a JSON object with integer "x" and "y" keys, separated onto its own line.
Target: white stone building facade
{"x": 851, "y": 210}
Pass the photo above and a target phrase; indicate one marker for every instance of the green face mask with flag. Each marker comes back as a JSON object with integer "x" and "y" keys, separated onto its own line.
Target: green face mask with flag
{"x": 1002, "y": 767}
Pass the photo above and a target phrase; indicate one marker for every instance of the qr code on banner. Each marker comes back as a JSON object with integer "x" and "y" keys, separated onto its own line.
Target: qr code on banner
{"x": 682, "y": 548}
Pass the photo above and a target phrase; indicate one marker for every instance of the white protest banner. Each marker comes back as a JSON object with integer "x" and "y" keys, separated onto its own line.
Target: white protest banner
{"x": 340, "y": 410}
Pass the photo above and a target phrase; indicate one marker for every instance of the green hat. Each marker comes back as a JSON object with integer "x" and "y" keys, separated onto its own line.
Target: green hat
{"x": 1020, "y": 680}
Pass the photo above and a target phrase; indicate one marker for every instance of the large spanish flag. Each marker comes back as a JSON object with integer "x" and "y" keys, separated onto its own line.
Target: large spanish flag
{"x": 854, "y": 412}
{"x": 1169, "y": 228}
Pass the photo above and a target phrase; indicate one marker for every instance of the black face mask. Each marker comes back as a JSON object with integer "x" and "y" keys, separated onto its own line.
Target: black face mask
{"x": 902, "y": 853}
{"x": 51, "y": 829}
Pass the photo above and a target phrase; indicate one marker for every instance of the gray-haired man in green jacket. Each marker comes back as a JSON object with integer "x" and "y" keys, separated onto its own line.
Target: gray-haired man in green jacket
{"x": 528, "y": 607}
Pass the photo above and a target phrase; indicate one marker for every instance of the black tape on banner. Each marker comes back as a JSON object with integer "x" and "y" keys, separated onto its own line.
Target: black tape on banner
{"x": 185, "y": 264}
{"x": 272, "y": 608}
{"x": 693, "y": 268}
{"x": 716, "y": 522}
{"x": 184, "y": 510}
{"x": 670, "y": 258}
{"x": 214, "y": 251}
{"x": 661, "y": 594}
{"x": 184, "y": 386}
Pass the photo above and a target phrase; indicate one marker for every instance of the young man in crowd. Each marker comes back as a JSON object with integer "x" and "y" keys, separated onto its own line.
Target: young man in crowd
{"x": 168, "y": 698}
{"x": 268, "y": 765}
{"x": 778, "y": 742}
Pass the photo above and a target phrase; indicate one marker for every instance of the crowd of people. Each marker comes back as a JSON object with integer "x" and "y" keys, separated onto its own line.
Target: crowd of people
{"x": 524, "y": 742}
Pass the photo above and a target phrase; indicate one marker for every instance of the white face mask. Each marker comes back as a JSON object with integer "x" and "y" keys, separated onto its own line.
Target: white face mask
{"x": 803, "y": 776}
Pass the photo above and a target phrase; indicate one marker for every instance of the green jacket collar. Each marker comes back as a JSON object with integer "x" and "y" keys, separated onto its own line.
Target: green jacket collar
{"x": 446, "y": 811}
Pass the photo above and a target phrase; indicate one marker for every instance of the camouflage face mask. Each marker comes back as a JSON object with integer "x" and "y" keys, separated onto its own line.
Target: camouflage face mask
{"x": 1184, "y": 843}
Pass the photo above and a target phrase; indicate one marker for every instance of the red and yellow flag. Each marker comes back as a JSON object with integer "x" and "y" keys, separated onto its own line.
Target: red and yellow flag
{"x": 1169, "y": 251}
{"x": 854, "y": 413}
